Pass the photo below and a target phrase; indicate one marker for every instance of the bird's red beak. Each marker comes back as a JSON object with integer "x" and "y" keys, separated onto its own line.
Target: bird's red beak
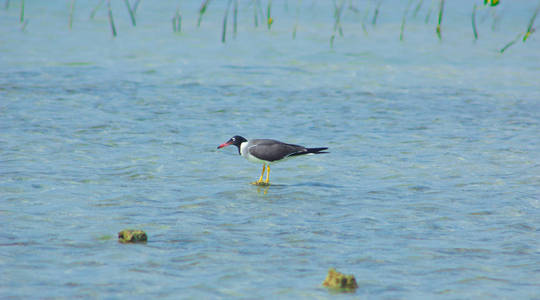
{"x": 224, "y": 145}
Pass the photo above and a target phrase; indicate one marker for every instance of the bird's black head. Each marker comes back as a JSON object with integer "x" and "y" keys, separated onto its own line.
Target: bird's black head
{"x": 235, "y": 140}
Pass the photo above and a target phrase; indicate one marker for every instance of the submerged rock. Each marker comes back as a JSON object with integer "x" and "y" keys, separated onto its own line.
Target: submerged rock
{"x": 132, "y": 236}
{"x": 340, "y": 281}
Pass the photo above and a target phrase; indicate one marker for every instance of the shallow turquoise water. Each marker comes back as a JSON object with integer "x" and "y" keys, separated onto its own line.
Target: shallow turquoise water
{"x": 431, "y": 189}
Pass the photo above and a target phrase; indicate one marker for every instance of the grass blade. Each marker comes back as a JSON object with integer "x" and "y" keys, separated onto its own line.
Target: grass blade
{"x": 404, "y": 19}
{"x": 299, "y": 4}
{"x": 235, "y": 17}
{"x": 269, "y": 19}
{"x": 255, "y": 19}
{"x": 93, "y": 13}
{"x": 224, "y": 32}
{"x": 441, "y": 9}
{"x": 376, "y": 13}
{"x": 131, "y": 13}
{"x": 428, "y": 15}
{"x": 511, "y": 43}
{"x": 530, "y": 28}
{"x": 177, "y": 21}
{"x": 25, "y": 23}
{"x": 417, "y": 9}
{"x": 202, "y": 10}
{"x": 21, "y": 19}
{"x": 473, "y": 21}
{"x": 135, "y": 6}
{"x": 260, "y": 9}
{"x": 71, "y": 14}
{"x": 111, "y": 19}
{"x": 338, "y": 9}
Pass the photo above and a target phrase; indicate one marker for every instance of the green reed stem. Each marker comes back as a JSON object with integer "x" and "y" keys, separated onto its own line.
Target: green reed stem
{"x": 21, "y": 19}
{"x": 473, "y": 21}
{"x": 202, "y": 10}
{"x": 235, "y": 17}
{"x": 364, "y": 18}
{"x": 72, "y": 9}
{"x": 403, "y": 20}
{"x": 338, "y": 9}
{"x": 530, "y": 28}
{"x": 24, "y": 24}
{"x": 135, "y": 6}
{"x": 428, "y": 15}
{"x": 417, "y": 8}
{"x": 6, "y": 5}
{"x": 299, "y": 4}
{"x": 376, "y": 13}
{"x": 511, "y": 43}
{"x": 269, "y": 20}
{"x": 260, "y": 9}
{"x": 111, "y": 19}
{"x": 131, "y": 13}
{"x": 224, "y": 32}
{"x": 337, "y": 21}
{"x": 255, "y": 19}
{"x": 93, "y": 13}
{"x": 441, "y": 9}
{"x": 177, "y": 21}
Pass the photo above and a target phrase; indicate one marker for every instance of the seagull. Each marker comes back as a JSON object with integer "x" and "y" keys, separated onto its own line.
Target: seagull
{"x": 266, "y": 152}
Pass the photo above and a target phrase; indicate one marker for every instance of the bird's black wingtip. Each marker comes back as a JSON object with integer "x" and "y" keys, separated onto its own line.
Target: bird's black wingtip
{"x": 317, "y": 150}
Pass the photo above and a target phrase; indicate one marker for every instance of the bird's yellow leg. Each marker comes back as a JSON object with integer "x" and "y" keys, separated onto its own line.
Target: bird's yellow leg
{"x": 267, "y": 176}
{"x": 260, "y": 178}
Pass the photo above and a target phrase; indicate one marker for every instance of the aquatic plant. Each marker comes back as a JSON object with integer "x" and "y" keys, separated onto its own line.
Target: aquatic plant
{"x": 96, "y": 8}
{"x": 428, "y": 15}
{"x": 417, "y": 9}
{"x": 21, "y": 18}
{"x": 404, "y": 19}
{"x": 370, "y": 13}
{"x": 131, "y": 13}
{"x": 202, "y": 10}
{"x": 177, "y": 21}
{"x": 441, "y": 9}
{"x": 71, "y": 10}
{"x": 135, "y": 6}
{"x": 132, "y": 236}
{"x": 473, "y": 21}
{"x": 269, "y": 19}
{"x": 338, "y": 9}
{"x": 376, "y": 13}
{"x": 525, "y": 34}
{"x": 340, "y": 282}
{"x": 491, "y": 2}
{"x": 295, "y": 27}
{"x": 224, "y": 28}
{"x": 111, "y": 19}
{"x": 235, "y": 17}
{"x": 530, "y": 28}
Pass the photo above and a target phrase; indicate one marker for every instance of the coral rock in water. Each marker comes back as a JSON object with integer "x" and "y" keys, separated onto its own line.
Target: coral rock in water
{"x": 132, "y": 236}
{"x": 337, "y": 280}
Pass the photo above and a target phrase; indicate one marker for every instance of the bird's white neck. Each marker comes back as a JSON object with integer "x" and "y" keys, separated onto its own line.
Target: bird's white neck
{"x": 243, "y": 149}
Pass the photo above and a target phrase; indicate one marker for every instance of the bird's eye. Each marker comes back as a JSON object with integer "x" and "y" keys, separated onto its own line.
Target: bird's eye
{"x": 233, "y": 139}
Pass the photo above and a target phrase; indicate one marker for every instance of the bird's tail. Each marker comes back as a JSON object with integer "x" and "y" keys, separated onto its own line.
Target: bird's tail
{"x": 312, "y": 151}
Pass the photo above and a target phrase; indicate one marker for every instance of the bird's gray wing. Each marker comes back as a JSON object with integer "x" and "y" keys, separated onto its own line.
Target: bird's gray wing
{"x": 271, "y": 150}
